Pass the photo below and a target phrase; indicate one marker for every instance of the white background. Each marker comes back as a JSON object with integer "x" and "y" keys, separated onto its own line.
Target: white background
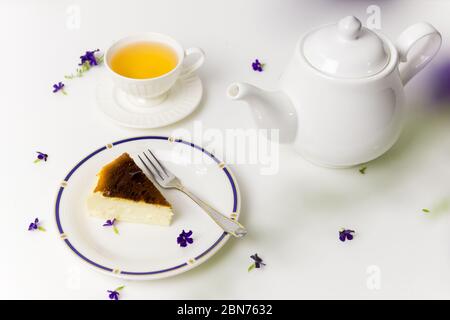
{"x": 293, "y": 216}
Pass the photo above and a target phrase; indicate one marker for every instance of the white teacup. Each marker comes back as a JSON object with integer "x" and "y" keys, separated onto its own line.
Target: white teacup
{"x": 152, "y": 91}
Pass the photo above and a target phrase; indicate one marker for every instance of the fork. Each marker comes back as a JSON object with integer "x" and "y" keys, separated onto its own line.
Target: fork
{"x": 167, "y": 180}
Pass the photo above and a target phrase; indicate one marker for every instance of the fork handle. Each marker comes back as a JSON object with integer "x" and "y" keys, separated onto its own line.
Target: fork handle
{"x": 230, "y": 226}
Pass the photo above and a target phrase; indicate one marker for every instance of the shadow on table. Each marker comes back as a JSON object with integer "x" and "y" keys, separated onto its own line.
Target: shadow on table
{"x": 324, "y": 192}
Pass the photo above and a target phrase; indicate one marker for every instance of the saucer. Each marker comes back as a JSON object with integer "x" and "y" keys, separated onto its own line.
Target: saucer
{"x": 181, "y": 100}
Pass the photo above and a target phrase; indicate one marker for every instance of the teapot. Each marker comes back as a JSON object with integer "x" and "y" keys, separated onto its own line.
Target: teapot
{"x": 341, "y": 97}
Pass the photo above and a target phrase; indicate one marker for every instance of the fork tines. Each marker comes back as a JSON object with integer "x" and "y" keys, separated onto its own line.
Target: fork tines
{"x": 154, "y": 166}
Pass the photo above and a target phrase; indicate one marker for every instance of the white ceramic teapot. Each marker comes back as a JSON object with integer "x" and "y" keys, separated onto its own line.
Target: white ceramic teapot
{"x": 341, "y": 96}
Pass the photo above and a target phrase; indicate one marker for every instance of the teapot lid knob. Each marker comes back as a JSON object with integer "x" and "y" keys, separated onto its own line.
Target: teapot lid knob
{"x": 345, "y": 49}
{"x": 350, "y": 27}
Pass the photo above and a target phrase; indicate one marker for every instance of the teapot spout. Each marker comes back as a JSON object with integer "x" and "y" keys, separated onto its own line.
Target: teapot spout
{"x": 272, "y": 110}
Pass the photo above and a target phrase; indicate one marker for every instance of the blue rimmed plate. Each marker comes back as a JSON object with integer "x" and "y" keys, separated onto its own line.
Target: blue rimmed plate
{"x": 146, "y": 252}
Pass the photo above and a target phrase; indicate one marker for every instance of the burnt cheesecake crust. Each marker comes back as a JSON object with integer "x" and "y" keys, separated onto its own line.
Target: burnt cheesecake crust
{"x": 123, "y": 192}
{"x": 122, "y": 178}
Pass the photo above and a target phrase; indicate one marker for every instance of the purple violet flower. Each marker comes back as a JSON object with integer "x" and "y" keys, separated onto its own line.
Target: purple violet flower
{"x": 258, "y": 262}
{"x": 59, "y": 87}
{"x": 184, "y": 238}
{"x": 89, "y": 57}
{"x": 88, "y": 60}
{"x": 114, "y": 294}
{"x": 40, "y": 157}
{"x": 111, "y": 223}
{"x": 257, "y": 66}
{"x": 346, "y": 234}
{"x": 35, "y": 226}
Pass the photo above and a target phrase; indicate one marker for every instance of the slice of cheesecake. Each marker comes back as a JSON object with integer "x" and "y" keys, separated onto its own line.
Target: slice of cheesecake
{"x": 125, "y": 193}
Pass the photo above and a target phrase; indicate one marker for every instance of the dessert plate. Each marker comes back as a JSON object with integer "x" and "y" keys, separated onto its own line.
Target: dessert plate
{"x": 144, "y": 252}
{"x": 182, "y": 99}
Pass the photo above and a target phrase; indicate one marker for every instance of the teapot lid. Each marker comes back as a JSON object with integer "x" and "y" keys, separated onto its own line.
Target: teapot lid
{"x": 346, "y": 50}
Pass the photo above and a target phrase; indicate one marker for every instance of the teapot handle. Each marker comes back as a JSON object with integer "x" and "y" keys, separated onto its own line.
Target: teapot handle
{"x": 409, "y": 39}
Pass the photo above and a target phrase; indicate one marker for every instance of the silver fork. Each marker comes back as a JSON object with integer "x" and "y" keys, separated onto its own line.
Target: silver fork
{"x": 168, "y": 180}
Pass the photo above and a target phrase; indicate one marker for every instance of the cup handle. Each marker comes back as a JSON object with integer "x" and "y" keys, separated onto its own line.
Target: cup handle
{"x": 408, "y": 39}
{"x": 189, "y": 69}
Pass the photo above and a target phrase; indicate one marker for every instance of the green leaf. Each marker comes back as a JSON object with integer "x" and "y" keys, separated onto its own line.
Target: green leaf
{"x": 79, "y": 73}
{"x": 37, "y": 160}
{"x": 251, "y": 267}
{"x": 426, "y": 210}
{"x": 362, "y": 170}
{"x": 116, "y": 231}
{"x": 41, "y": 229}
{"x": 120, "y": 288}
{"x": 100, "y": 59}
{"x": 86, "y": 66}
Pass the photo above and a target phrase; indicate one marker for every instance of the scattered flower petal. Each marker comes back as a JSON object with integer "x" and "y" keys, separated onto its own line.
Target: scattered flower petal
{"x": 257, "y": 66}
{"x": 41, "y": 157}
{"x": 88, "y": 60}
{"x": 184, "y": 238}
{"x": 59, "y": 87}
{"x": 346, "y": 234}
{"x": 35, "y": 226}
{"x": 258, "y": 262}
{"x": 89, "y": 57}
{"x": 111, "y": 223}
{"x": 114, "y": 294}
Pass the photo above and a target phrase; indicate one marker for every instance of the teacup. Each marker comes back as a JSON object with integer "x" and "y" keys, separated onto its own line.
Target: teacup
{"x": 152, "y": 91}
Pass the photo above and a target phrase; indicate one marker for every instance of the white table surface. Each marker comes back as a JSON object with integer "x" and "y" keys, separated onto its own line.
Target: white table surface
{"x": 293, "y": 216}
